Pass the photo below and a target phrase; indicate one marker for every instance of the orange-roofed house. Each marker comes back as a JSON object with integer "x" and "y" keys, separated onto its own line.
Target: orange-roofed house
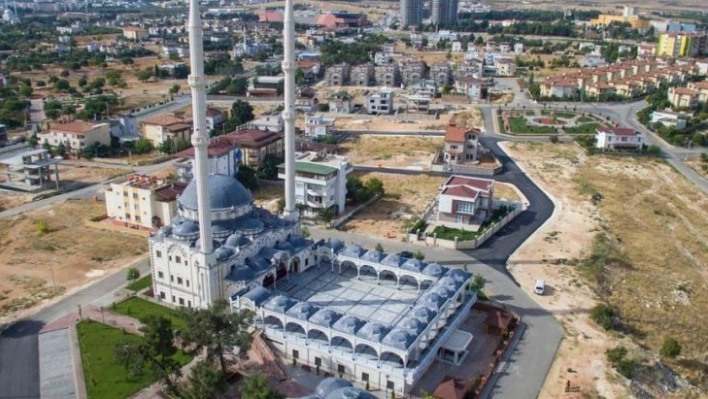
{"x": 461, "y": 144}
{"x": 76, "y": 135}
{"x": 135, "y": 33}
{"x": 681, "y": 97}
{"x": 465, "y": 200}
{"x": 160, "y": 128}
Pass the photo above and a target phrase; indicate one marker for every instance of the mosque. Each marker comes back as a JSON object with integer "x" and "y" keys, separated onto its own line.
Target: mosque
{"x": 380, "y": 319}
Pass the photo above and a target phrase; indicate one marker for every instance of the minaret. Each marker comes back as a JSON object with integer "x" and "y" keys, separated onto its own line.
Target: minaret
{"x": 289, "y": 67}
{"x": 200, "y": 136}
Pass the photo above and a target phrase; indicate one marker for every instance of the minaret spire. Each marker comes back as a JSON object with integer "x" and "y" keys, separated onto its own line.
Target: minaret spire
{"x": 200, "y": 136}
{"x": 289, "y": 67}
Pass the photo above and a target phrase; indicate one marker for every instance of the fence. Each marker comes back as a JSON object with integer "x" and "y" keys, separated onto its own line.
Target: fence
{"x": 479, "y": 240}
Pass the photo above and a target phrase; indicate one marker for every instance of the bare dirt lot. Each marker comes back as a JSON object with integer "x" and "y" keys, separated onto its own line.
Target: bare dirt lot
{"x": 658, "y": 222}
{"x": 51, "y": 251}
{"x": 414, "y": 153}
{"x": 267, "y": 196}
{"x": 406, "y": 197}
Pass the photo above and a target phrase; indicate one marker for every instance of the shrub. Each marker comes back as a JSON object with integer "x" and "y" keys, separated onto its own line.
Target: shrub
{"x": 554, "y": 139}
{"x": 604, "y": 315}
{"x": 617, "y": 357}
{"x": 670, "y": 348}
{"x": 42, "y": 227}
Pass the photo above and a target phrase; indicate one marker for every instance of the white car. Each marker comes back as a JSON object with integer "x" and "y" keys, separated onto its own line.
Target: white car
{"x": 539, "y": 287}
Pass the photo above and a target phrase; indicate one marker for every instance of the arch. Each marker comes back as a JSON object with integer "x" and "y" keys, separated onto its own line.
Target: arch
{"x": 408, "y": 281}
{"x": 367, "y": 270}
{"x": 425, "y": 284}
{"x": 342, "y": 344}
{"x": 295, "y": 329}
{"x": 388, "y": 275}
{"x": 366, "y": 351}
{"x": 294, "y": 265}
{"x": 281, "y": 271}
{"x": 273, "y": 322}
{"x": 392, "y": 359}
{"x": 324, "y": 259}
{"x": 347, "y": 264}
{"x": 268, "y": 280}
{"x": 318, "y": 336}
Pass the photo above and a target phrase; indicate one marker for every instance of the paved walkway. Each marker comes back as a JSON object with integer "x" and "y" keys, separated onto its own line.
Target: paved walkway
{"x": 56, "y": 365}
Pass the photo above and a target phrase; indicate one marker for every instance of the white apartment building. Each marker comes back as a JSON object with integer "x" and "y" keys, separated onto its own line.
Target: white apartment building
{"x": 320, "y": 181}
{"x": 76, "y": 135}
{"x": 224, "y": 158}
{"x": 317, "y": 125}
{"x": 669, "y": 118}
{"x": 142, "y": 202}
{"x": 618, "y": 138}
{"x": 380, "y": 103}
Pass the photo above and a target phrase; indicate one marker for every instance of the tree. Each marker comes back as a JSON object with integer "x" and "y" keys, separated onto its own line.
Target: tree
{"x": 374, "y": 186}
{"x": 145, "y": 74}
{"x": 419, "y": 255}
{"x": 237, "y": 86}
{"x": 379, "y": 247}
{"x": 61, "y": 149}
{"x": 155, "y": 350}
{"x": 281, "y": 205}
{"x": 33, "y": 140}
{"x": 25, "y": 90}
{"x": 127, "y": 61}
{"x": 670, "y": 348}
{"x": 216, "y": 330}
{"x": 242, "y": 111}
{"x": 255, "y": 386}
{"x": 175, "y": 89}
{"x": 269, "y": 167}
{"x": 142, "y": 146}
{"x": 305, "y": 232}
{"x": 133, "y": 274}
{"x": 247, "y": 176}
{"x": 299, "y": 77}
{"x": 477, "y": 286}
{"x": 204, "y": 381}
{"x": 326, "y": 215}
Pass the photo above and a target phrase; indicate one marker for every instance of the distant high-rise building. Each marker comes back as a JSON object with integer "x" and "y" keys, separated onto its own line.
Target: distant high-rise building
{"x": 411, "y": 12}
{"x": 443, "y": 10}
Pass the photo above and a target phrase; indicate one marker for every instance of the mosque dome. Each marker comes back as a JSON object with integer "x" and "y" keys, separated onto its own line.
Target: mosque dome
{"x": 224, "y": 192}
{"x": 186, "y": 230}
{"x": 236, "y": 240}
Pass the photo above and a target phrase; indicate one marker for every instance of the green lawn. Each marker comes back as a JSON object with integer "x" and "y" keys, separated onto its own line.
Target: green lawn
{"x": 530, "y": 112}
{"x": 103, "y": 376}
{"x": 518, "y": 125}
{"x": 586, "y": 128}
{"x": 138, "y": 308}
{"x": 142, "y": 283}
{"x": 585, "y": 119}
{"x": 447, "y": 233}
{"x": 565, "y": 114}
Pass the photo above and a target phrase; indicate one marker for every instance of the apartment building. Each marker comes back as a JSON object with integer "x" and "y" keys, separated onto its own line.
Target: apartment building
{"x": 681, "y": 44}
{"x": 142, "y": 202}
{"x": 412, "y": 70}
{"x": 256, "y": 145}
{"x": 76, "y": 135}
{"x": 135, "y": 33}
{"x": 167, "y": 126}
{"x": 380, "y": 103}
{"x": 320, "y": 181}
{"x": 340, "y": 102}
{"x": 387, "y": 75}
{"x": 411, "y": 12}
{"x": 223, "y": 157}
{"x": 470, "y": 86}
{"x": 362, "y": 75}
{"x": 306, "y": 99}
{"x": 441, "y": 73}
{"x": 337, "y": 75}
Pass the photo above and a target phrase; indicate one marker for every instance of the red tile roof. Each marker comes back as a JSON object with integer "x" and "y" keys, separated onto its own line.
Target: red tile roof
{"x": 217, "y": 147}
{"x": 456, "y": 134}
{"x": 253, "y": 137}
{"x": 451, "y": 388}
{"x": 75, "y": 127}
{"x": 620, "y": 131}
{"x": 479, "y": 183}
{"x": 170, "y": 192}
{"x": 461, "y": 191}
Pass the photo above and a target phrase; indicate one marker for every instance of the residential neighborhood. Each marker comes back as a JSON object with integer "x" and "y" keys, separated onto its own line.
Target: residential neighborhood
{"x": 325, "y": 200}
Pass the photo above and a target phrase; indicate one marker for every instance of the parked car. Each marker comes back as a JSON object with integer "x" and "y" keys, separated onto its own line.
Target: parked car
{"x": 539, "y": 288}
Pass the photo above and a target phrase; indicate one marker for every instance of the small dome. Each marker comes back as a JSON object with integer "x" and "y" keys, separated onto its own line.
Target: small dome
{"x": 433, "y": 270}
{"x": 331, "y": 384}
{"x": 186, "y": 229}
{"x": 221, "y": 229}
{"x": 223, "y": 253}
{"x": 224, "y": 192}
{"x": 398, "y": 338}
{"x": 423, "y": 313}
{"x": 236, "y": 240}
{"x": 373, "y": 331}
{"x": 248, "y": 225}
{"x": 413, "y": 325}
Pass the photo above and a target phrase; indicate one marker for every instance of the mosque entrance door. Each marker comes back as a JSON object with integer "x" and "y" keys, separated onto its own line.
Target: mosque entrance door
{"x": 269, "y": 280}
{"x": 295, "y": 265}
{"x": 281, "y": 271}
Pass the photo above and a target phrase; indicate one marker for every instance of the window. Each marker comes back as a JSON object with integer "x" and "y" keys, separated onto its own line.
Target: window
{"x": 172, "y": 278}
{"x": 162, "y": 294}
{"x": 135, "y": 196}
{"x": 459, "y": 219}
{"x": 189, "y": 304}
{"x": 179, "y": 280}
{"x": 296, "y": 354}
{"x": 187, "y": 281}
{"x": 178, "y": 259}
{"x": 318, "y": 361}
{"x": 464, "y": 207}
{"x": 173, "y": 299}
{"x": 181, "y": 301}
{"x": 389, "y": 385}
{"x": 365, "y": 377}
{"x": 160, "y": 275}
{"x": 341, "y": 369}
